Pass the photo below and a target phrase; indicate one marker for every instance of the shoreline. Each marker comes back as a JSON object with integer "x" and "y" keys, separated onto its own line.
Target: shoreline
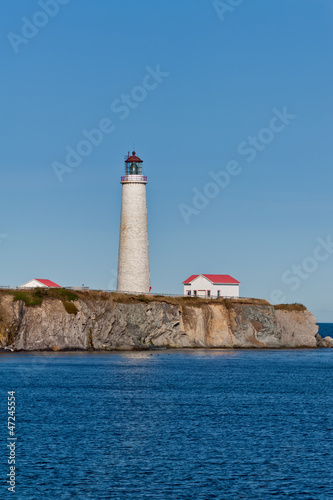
{"x": 159, "y": 350}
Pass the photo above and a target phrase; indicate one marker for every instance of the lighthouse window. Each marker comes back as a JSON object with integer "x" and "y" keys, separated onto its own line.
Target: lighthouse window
{"x": 188, "y": 292}
{"x": 134, "y": 169}
{"x": 194, "y": 293}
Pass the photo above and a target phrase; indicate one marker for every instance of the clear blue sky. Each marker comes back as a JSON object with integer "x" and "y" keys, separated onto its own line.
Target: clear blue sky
{"x": 223, "y": 74}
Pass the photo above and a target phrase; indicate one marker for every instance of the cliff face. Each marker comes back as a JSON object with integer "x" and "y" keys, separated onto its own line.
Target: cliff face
{"x": 103, "y": 323}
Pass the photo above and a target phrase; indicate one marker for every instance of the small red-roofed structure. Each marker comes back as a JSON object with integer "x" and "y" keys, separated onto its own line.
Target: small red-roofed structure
{"x": 211, "y": 285}
{"x": 40, "y": 283}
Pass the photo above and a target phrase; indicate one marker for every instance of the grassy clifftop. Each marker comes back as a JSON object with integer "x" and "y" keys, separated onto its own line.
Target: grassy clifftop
{"x": 290, "y": 307}
{"x": 35, "y": 297}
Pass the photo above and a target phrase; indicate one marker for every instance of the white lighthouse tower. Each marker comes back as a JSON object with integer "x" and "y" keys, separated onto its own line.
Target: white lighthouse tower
{"x": 133, "y": 261}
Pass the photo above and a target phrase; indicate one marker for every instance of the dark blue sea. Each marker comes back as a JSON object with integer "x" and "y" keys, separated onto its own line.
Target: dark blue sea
{"x": 177, "y": 425}
{"x": 326, "y": 329}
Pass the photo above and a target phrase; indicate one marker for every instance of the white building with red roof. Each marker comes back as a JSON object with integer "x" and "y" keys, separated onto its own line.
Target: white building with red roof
{"x": 38, "y": 283}
{"x": 211, "y": 286}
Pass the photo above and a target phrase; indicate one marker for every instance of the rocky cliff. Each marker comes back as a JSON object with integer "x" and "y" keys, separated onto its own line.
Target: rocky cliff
{"x": 61, "y": 320}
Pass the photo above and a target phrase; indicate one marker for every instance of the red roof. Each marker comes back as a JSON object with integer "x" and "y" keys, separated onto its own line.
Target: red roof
{"x": 48, "y": 283}
{"x": 133, "y": 159}
{"x": 190, "y": 279}
{"x": 221, "y": 279}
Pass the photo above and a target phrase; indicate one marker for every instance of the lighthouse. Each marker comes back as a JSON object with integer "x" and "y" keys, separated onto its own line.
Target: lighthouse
{"x": 133, "y": 261}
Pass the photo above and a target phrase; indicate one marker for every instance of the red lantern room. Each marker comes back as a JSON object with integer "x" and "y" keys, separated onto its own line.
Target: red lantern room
{"x": 133, "y": 169}
{"x": 133, "y": 165}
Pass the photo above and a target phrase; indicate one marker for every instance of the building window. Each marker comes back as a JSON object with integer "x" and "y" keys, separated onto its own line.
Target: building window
{"x": 208, "y": 293}
{"x": 219, "y": 293}
{"x": 188, "y": 292}
{"x": 195, "y": 293}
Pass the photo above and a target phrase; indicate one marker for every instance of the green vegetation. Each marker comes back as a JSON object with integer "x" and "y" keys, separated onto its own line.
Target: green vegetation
{"x": 90, "y": 341}
{"x": 30, "y": 298}
{"x": 290, "y": 307}
{"x": 70, "y": 308}
{"x": 228, "y": 304}
{"x": 65, "y": 294}
{"x": 142, "y": 298}
{"x": 35, "y": 297}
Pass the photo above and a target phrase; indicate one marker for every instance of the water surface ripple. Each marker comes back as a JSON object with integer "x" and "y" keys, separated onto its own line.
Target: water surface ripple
{"x": 176, "y": 425}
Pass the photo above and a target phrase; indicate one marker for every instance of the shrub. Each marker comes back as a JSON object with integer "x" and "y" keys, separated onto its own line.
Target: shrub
{"x": 68, "y": 295}
{"x": 71, "y": 308}
{"x": 29, "y": 297}
{"x": 142, "y": 298}
{"x": 35, "y": 297}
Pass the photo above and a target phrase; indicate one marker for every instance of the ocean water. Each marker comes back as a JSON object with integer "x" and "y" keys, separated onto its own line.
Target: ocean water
{"x": 182, "y": 425}
{"x": 326, "y": 329}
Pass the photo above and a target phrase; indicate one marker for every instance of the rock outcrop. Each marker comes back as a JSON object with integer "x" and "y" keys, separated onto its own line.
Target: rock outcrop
{"x": 324, "y": 342}
{"x": 328, "y": 342}
{"x": 113, "y": 321}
